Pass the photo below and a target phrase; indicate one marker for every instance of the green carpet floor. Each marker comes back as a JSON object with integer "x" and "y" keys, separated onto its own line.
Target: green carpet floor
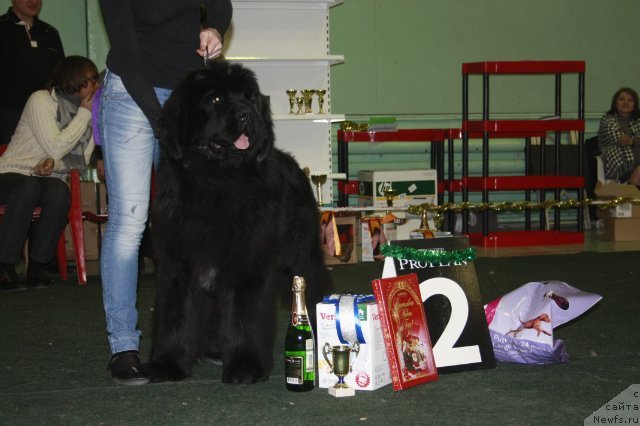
{"x": 53, "y": 358}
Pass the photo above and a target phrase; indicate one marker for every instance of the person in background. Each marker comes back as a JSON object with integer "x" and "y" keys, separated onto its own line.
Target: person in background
{"x": 29, "y": 51}
{"x": 154, "y": 44}
{"x": 53, "y": 136}
{"x": 619, "y": 138}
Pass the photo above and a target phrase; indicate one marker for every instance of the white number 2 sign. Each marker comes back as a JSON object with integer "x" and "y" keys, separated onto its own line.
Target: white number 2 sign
{"x": 444, "y": 353}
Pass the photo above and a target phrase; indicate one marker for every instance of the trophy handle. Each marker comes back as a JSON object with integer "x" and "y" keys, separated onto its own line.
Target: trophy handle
{"x": 327, "y": 349}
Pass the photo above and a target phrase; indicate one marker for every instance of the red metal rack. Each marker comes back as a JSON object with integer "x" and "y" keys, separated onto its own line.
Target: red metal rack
{"x": 524, "y": 67}
{"x": 435, "y": 136}
{"x": 489, "y": 128}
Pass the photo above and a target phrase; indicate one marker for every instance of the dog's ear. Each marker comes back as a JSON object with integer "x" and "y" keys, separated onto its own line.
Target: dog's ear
{"x": 173, "y": 125}
{"x": 263, "y": 106}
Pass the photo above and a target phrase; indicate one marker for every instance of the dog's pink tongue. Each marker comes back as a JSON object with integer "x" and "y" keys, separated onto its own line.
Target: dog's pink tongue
{"x": 242, "y": 142}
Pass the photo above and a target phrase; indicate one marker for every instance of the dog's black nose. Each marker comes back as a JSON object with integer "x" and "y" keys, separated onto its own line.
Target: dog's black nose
{"x": 243, "y": 119}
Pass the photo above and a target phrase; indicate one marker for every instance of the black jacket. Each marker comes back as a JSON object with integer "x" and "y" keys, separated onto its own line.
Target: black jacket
{"x": 26, "y": 65}
{"x": 154, "y": 42}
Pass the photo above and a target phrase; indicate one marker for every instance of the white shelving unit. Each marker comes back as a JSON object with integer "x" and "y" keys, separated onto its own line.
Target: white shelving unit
{"x": 286, "y": 43}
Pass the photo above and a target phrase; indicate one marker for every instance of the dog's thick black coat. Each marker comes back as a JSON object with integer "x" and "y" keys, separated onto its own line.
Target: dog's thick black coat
{"x": 234, "y": 219}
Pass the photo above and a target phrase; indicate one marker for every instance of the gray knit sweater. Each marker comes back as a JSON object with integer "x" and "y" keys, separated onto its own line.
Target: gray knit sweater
{"x": 37, "y": 137}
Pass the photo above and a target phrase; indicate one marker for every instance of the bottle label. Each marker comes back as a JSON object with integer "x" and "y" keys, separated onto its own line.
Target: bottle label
{"x": 297, "y": 319}
{"x": 309, "y": 364}
{"x": 300, "y": 365}
{"x": 294, "y": 367}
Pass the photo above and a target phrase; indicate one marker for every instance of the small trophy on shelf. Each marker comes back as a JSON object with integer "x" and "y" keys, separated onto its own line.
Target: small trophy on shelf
{"x": 300, "y": 104}
{"x": 389, "y": 217}
{"x": 423, "y": 231}
{"x": 292, "y": 99}
{"x": 389, "y": 195}
{"x": 438, "y": 220}
{"x": 321, "y": 93}
{"x": 437, "y": 217}
{"x": 341, "y": 366}
{"x": 318, "y": 181}
{"x": 307, "y": 95}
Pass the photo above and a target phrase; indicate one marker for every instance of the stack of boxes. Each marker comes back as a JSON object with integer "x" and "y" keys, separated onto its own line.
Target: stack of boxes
{"x": 621, "y": 223}
{"x": 94, "y": 199}
{"x": 412, "y": 187}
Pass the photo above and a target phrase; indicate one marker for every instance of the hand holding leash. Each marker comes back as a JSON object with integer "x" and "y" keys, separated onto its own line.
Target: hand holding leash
{"x": 210, "y": 44}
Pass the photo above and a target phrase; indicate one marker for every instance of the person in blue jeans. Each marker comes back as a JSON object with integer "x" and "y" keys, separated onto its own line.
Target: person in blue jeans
{"x": 154, "y": 43}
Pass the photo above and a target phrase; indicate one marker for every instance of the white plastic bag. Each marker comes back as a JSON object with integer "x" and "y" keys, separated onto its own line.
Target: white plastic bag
{"x": 521, "y": 322}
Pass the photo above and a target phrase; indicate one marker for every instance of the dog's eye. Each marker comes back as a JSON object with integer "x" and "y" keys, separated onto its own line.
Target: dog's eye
{"x": 216, "y": 100}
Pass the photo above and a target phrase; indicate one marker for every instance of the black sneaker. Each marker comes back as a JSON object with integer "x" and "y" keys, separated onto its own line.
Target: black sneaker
{"x": 126, "y": 369}
{"x": 37, "y": 275}
{"x": 9, "y": 279}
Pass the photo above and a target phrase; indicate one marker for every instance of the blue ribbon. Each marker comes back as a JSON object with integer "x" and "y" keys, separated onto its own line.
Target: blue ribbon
{"x": 353, "y": 329}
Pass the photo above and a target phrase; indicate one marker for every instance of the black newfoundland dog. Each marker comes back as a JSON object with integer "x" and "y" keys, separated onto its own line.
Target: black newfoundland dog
{"x": 234, "y": 219}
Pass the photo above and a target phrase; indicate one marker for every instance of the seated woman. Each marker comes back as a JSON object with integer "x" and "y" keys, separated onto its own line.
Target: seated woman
{"x": 52, "y": 137}
{"x": 619, "y": 138}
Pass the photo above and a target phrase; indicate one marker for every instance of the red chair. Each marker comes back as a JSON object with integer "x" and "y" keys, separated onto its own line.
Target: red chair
{"x": 75, "y": 225}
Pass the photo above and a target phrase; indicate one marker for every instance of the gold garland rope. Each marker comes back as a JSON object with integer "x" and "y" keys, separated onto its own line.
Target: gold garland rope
{"x": 520, "y": 206}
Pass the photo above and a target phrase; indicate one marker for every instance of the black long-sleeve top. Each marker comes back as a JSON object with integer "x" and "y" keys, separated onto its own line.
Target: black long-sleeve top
{"x": 27, "y": 59}
{"x": 154, "y": 43}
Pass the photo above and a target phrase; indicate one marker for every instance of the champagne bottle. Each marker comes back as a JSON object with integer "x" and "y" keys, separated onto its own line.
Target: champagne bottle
{"x": 299, "y": 345}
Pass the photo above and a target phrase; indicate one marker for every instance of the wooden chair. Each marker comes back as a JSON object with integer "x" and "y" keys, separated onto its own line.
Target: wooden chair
{"x": 75, "y": 225}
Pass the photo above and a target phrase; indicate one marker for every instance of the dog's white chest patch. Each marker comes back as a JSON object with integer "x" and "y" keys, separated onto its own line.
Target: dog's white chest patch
{"x": 207, "y": 278}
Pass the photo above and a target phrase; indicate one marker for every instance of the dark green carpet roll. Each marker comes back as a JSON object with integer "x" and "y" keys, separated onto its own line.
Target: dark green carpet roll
{"x": 54, "y": 354}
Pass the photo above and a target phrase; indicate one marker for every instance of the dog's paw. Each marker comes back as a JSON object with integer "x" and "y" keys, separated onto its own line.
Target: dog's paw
{"x": 244, "y": 373}
{"x": 158, "y": 372}
{"x": 214, "y": 358}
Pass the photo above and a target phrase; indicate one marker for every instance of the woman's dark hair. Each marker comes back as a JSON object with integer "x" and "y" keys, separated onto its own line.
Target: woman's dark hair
{"x": 635, "y": 114}
{"x": 70, "y": 75}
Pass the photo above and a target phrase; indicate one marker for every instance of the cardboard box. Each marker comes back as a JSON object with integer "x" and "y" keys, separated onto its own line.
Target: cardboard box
{"x": 616, "y": 229}
{"x": 370, "y": 369}
{"x": 413, "y": 187}
{"x": 92, "y": 239}
{"x": 373, "y": 234}
{"x": 94, "y": 199}
{"x": 346, "y": 229}
{"x": 626, "y": 210}
{"x": 612, "y": 190}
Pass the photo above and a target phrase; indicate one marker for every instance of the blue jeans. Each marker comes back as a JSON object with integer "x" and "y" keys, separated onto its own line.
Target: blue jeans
{"x": 130, "y": 150}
